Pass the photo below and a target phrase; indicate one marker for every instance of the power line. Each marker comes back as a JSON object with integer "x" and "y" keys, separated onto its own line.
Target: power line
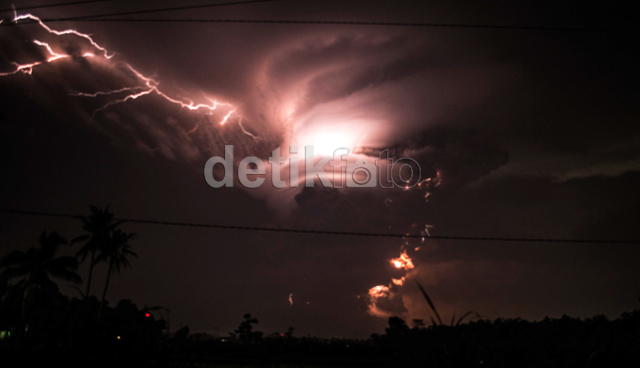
{"x": 132, "y": 12}
{"x": 100, "y": 18}
{"x": 54, "y": 5}
{"x": 339, "y": 23}
{"x": 157, "y": 10}
{"x": 329, "y": 232}
{"x": 187, "y": 7}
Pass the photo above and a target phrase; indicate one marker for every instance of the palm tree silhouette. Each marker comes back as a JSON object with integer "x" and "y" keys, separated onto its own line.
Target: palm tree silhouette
{"x": 115, "y": 252}
{"x": 97, "y": 227}
{"x": 37, "y": 265}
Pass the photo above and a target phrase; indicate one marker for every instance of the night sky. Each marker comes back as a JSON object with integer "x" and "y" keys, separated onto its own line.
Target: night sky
{"x": 532, "y": 133}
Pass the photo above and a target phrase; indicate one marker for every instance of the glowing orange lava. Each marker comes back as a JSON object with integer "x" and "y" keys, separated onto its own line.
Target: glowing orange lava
{"x": 379, "y": 291}
{"x": 404, "y": 261}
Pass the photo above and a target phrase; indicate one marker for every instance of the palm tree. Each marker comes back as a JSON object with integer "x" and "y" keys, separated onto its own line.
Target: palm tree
{"x": 97, "y": 227}
{"x": 36, "y": 266}
{"x": 115, "y": 252}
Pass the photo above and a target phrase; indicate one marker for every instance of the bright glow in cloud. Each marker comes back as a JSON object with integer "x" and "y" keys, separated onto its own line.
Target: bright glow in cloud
{"x": 327, "y": 108}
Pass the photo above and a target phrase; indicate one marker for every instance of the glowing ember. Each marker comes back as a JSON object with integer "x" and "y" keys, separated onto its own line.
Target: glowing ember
{"x": 404, "y": 261}
{"x": 385, "y": 292}
{"x": 379, "y": 291}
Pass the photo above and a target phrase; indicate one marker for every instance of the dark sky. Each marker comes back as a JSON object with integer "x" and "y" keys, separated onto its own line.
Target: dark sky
{"x": 535, "y": 134}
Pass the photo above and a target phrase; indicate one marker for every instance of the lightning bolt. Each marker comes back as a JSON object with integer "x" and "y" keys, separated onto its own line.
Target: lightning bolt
{"x": 106, "y": 93}
{"x": 146, "y": 85}
{"x": 28, "y": 68}
{"x": 194, "y": 129}
{"x": 93, "y": 43}
{"x": 255, "y": 137}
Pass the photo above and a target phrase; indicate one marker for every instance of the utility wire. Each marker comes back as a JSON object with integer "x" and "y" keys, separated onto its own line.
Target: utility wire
{"x": 339, "y": 23}
{"x": 175, "y": 8}
{"x": 101, "y": 18}
{"x": 54, "y": 5}
{"x": 328, "y": 232}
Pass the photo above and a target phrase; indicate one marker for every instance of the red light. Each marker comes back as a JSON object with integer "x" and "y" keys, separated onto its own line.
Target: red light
{"x": 147, "y": 315}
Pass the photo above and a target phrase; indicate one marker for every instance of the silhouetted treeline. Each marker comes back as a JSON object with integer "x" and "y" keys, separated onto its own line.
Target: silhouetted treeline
{"x": 127, "y": 337}
{"x": 563, "y": 342}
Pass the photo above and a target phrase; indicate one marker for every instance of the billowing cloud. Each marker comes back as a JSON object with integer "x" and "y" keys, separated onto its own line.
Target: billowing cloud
{"x": 533, "y": 134}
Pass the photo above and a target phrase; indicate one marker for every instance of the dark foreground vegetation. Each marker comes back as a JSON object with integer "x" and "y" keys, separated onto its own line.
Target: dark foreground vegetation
{"x": 66, "y": 332}
{"x": 39, "y": 326}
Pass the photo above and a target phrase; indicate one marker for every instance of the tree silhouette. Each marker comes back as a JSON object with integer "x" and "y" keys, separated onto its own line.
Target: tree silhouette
{"x": 245, "y": 330}
{"x": 36, "y": 266}
{"x": 115, "y": 252}
{"x": 97, "y": 227}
